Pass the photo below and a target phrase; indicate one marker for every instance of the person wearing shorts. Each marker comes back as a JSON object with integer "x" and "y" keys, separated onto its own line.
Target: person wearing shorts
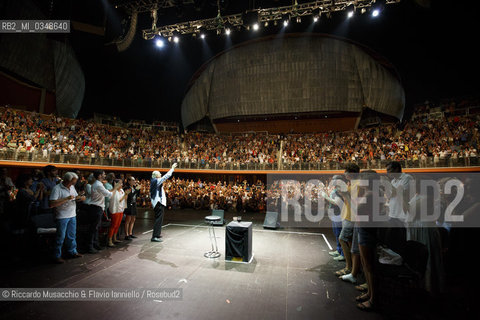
{"x": 348, "y": 224}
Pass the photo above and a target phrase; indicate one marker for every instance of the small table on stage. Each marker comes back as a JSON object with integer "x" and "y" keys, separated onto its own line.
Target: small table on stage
{"x": 238, "y": 241}
{"x": 213, "y": 240}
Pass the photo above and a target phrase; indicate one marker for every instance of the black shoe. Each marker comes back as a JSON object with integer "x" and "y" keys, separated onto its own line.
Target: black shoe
{"x": 128, "y": 238}
{"x": 98, "y": 248}
{"x": 156, "y": 240}
{"x": 58, "y": 260}
{"x": 92, "y": 250}
{"x": 132, "y": 236}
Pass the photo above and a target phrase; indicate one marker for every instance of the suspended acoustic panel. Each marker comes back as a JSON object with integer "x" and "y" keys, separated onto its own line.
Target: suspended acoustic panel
{"x": 297, "y": 73}
{"x": 69, "y": 81}
{"x": 128, "y": 39}
{"x": 41, "y": 62}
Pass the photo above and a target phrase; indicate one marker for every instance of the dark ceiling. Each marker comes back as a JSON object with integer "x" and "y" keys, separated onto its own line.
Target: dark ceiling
{"x": 432, "y": 44}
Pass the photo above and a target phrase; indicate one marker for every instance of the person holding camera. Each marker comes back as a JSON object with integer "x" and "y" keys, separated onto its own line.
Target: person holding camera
{"x": 132, "y": 190}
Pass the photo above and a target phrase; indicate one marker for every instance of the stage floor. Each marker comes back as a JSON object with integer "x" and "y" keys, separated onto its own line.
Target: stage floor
{"x": 290, "y": 277}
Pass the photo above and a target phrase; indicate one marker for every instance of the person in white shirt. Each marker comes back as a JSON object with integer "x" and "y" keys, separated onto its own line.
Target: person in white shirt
{"x": 63, "y": 198}
{"x": 96, "y": 202}
{"x": 159, "y": 200}
{"x": 116, "y": 205}
{"x": 402, "y": 184}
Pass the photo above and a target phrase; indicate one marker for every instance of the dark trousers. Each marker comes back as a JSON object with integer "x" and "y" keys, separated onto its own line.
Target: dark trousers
{"x": 157, "y": 226}
{"x": 96, "y": 213}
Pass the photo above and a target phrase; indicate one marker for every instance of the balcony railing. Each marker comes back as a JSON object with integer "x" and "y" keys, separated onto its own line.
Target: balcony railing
{"x": 25, "y": 156}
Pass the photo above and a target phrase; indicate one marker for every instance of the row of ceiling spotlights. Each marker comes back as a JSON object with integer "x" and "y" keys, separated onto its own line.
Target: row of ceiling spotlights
{"x": 256, "y": 26}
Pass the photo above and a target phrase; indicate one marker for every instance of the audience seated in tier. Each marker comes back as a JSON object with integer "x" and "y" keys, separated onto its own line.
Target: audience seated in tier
{"x": 423, "y": 137}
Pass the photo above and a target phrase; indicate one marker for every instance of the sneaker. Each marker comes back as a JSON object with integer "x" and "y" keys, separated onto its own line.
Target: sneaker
{"x": 76, "y": 255}
{"x": 128, "y": 238}
{"x": 133, "y": 237}
{"x": 156, "y": 240}
{"x": 92, "y": 250}
{"x": 334, "y": 253}
{"x": 97, "y": 247}
{"x": 339, "y": 258}
{"x": 349, "y": 278}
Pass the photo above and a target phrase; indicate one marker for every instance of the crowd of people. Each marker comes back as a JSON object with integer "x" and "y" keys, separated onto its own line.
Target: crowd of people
{"x": 404, "y": 234}
{"x": 423, "y": 137}
{"x": 96, "y": 201}
{"x": 100, "y": 203}
{"x": 239, "y": 197}
{"x": 107, "y": 200}
{"x": 29, "y": 132}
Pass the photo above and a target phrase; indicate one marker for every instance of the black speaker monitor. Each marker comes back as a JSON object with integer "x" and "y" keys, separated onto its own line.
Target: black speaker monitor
{"x": 271, "y": 220}
{"x": 218, "y": 213}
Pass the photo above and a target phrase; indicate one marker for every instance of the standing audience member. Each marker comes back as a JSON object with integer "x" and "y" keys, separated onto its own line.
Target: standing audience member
{"x": 427, "y": 233}
{"x": 346, "y": 237}
{"x": 109, "y": 186}
{"x": 27, "y": 200}
{"x": 117, "y": 204}
{"x": 63, "y": 198}
{"x": 50, "y": 181}
{"x": 132, "y": 190}
{"x": 96, "y": 202}
{"x": 335, "y": 204}
{"x": 367, "y": 237}
{"x": 402, "y": 184}
{"x": 6, "y": 186}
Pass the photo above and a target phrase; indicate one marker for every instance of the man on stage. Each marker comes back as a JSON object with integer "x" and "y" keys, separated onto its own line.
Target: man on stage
{"x": 159, "y": 200}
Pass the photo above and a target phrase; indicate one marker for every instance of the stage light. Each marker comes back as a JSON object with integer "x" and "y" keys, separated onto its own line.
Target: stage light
{"x": 159, "y": 43}
{"x": 266, "y": 24}
{"x": 176, "y": 39}
{"x": 299, "y": 20}
{"x": 255, "y": 27}
{"x": 315, "y": 19}
{"x": 227, "y": 31}
{"x": 286, "y": 19}
{"x": 202, "y": 36}
{"x": 250, "y": 19}
{"x": 350, "y": 11}
{"x": 377, "y": 9}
